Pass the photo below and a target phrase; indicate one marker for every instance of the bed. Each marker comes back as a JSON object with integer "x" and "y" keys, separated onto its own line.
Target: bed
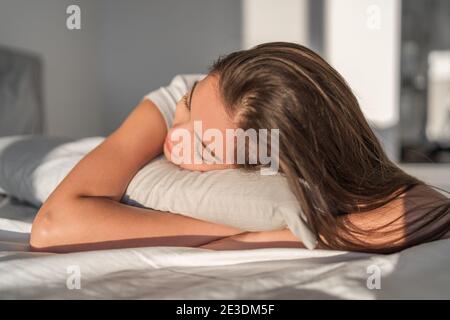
{"x": 422, "y": 272}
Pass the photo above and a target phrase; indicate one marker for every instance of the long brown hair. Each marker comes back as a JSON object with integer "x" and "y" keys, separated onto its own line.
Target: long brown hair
{"x": 331, "y": 158}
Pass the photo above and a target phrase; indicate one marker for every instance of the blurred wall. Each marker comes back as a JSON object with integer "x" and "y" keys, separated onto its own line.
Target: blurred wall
{"x": 71, "y": 77}
{"x": 95, "y": 76}
{"x": 362, "y": 41}
{"x": 280, "y": 20}
{"x": 143, "y": 44}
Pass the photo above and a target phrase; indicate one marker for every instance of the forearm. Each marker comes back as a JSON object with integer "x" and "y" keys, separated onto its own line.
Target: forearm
{"x": 255, "y": 240}
{"x": 384, "y": 227}
{"x": 108, "y": 168}
{"x": 92, "y": 223}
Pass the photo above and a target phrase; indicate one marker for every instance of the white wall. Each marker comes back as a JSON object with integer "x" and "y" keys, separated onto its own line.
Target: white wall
{"x": 274, "y": 20}
{"x": 363, "y": 43}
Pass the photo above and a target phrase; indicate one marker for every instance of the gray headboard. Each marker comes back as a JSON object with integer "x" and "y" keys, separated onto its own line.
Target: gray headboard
{"x": 21, "y": 102}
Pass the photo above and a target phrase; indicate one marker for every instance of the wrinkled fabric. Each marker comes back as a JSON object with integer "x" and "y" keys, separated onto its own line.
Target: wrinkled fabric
{"x": 421, "y": 272}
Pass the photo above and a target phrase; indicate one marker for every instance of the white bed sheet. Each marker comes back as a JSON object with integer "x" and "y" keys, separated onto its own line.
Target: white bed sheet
{"x": 422, "y": 272}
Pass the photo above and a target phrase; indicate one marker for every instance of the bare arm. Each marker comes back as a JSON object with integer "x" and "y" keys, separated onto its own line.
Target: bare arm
{"x": 84, "y": 211}
{"x": 256, "y": 240}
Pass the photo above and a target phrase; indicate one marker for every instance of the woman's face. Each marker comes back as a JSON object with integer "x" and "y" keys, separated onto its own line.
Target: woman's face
{"x": 200, "y": 119}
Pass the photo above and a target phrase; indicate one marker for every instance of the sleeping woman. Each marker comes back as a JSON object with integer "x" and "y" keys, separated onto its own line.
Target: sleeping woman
{"x": 353, "y": 197}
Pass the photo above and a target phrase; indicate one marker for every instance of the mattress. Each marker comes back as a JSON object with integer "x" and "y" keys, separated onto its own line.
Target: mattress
{"x": 421, "y": 272}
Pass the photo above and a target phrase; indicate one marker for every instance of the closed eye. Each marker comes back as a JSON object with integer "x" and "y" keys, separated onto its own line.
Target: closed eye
{"x": 188, "y": 97}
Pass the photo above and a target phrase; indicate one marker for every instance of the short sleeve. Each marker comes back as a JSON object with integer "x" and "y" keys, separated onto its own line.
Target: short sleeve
{"x": 166, "y": 98}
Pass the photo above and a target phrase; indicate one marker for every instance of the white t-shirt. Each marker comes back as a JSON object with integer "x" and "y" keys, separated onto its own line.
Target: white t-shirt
{"x": 166, "y": 98}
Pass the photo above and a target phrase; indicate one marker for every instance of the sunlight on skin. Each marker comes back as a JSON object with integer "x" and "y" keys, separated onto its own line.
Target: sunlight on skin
{"x": 207, "y": 107}
{"x": 256, "y": 240}
{"x": 204, "y": 104}
{"x": 393, "y": 212}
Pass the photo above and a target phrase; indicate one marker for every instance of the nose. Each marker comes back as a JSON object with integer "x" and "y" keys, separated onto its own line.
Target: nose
{"x": 179, "y": 134}
{"x": 177, "y": 128}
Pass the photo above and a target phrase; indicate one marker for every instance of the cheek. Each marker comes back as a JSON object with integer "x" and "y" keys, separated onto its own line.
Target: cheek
{"x": 181, "y": 122}
{"x": 179, "y": 144}
{"x": 180, "y": 139}
{"x": 179, "y": 133}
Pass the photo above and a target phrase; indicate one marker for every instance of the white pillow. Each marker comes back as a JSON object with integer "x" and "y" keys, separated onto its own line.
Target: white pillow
{"x": 244, "y": 200}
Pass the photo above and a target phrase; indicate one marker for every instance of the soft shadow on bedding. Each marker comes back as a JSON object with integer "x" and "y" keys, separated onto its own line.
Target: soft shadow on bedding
{"x": 173, "y": 241}
{"x": 14, "y": 241}
{"x": 15, "y": 158}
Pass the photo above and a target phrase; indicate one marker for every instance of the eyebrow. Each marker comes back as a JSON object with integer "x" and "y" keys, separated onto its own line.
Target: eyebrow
{"x": 190, "y": 94}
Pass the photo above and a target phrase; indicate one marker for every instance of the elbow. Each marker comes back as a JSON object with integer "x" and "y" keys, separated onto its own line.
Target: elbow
{"x": 45, "y": 231}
